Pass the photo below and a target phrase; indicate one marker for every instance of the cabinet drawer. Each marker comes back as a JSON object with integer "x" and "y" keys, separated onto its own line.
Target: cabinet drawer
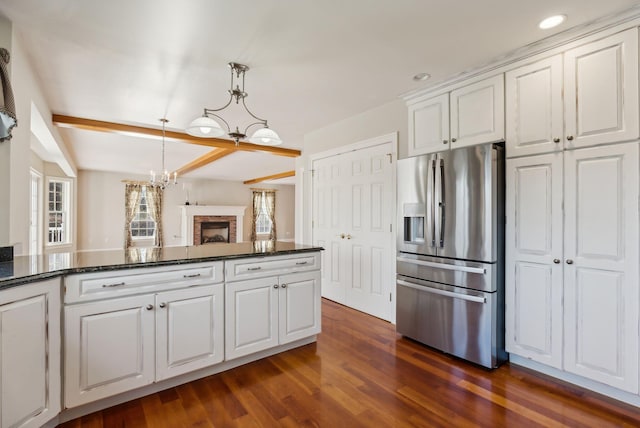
{"x": 268, "y": 266}
{"x": 109, "y": 284}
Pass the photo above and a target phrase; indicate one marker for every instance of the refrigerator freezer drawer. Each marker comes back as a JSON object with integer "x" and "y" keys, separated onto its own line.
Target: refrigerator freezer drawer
{"x": 460, "y": 273}
{"x": 456, "y": 321}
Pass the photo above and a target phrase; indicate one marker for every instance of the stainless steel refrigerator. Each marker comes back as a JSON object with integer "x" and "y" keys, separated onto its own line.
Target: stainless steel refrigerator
{"x": 450, "y": 263}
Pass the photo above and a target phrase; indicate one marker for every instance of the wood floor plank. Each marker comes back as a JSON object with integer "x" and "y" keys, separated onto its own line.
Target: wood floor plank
{"x": 361, "y": 373}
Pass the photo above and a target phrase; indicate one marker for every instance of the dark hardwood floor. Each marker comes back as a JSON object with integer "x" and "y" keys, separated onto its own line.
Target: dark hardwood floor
{"x": 360, "y": 373}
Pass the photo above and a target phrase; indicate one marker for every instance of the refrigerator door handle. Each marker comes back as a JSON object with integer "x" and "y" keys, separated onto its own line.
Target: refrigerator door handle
{"x": 467, "y": 269}
{"x": 442, "y": 203}
{"x": 433, "y": 203}
{"x": 446, "y": 293}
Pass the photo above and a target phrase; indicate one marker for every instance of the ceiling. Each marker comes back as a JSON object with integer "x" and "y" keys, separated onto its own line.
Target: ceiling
{"x": 312, "y": 63}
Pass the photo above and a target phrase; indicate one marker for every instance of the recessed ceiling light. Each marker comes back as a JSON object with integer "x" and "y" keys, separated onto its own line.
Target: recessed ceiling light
{"x": 421, "y": 76}
{"x": 552, "y": 21}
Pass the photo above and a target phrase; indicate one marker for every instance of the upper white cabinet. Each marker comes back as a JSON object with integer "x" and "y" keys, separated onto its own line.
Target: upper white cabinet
{"x": 600, "y": 104}
{"x": 477, "y": 113}
{"x": 601, "y": 91}
{"x": 429, "y": 125}
{"x": 534, "y": 118}
{"x": 473, "y": 114}
{"x": 30, "y": 354}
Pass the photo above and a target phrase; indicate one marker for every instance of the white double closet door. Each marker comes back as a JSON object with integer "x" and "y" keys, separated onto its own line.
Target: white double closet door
{"x": 353, "y": 209}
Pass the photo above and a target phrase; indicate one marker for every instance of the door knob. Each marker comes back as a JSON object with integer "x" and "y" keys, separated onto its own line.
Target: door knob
{"x": 149, "y": 307}
{"x": 569, "y": 261}
{"x": 556, "y": 261}
{"x": 556, "y": 140}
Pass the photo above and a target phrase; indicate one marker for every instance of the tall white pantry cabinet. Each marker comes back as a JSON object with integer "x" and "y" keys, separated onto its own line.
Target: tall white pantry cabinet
{"x": 572, "y": 240}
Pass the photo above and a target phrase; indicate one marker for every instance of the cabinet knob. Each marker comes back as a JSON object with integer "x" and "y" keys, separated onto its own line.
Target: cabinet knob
{"x": 341, "y": 236}
{"x": 569, "y": 261}
{"x": 149, "y": 307}
{"x": 569, "y": 137}
{"x": 556, "y": 261}
{"x": 556, "y": 140}
{"x": 275, "y": 285}
{"x": 162, "y": 305}
{"x": 349, "y": 236}
{"x": 445, "y": 141}
{"x": 283, "y": 286}
{"x": 453, "y": 140}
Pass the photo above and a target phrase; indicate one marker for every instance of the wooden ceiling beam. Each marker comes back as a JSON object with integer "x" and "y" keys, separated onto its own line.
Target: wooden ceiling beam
{"x": 203, "y": 160}
{"x": 271, "y": 177}
{"x": 119, "y": 128}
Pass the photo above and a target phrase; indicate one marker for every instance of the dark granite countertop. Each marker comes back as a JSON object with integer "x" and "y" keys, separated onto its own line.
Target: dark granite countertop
{"x": 25, "y": 269}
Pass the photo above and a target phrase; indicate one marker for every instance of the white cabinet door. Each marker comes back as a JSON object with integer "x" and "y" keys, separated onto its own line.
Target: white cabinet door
{"x": 601, "y": 91}
{"x": 429, "y": 125}
{"x": 601, "y": 264}
{"x": 299, "y": 306}
{"x": 533, "y": 258}
{"x": 109, "y": 348}
{"x": 534, "y": 109}
{"x": 477, "y": 113}
{"x": 30, "y": 354}
{"x": 251, "y": 315}
{"x": 189, "y": 330}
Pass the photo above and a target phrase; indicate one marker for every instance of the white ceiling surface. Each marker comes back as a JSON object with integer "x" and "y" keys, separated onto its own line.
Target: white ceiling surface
{"x": 312, "y": 62}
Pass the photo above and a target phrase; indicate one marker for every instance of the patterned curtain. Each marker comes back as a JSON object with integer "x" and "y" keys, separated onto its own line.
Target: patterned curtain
{"x": 271, "y": 212}
{"x": 154, "y": 203}
{"x": 257, "y": 204}
{"x": 132, "y": 192}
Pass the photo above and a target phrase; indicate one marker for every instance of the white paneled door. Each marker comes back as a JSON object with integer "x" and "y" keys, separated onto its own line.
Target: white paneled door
{"x": 354, "y": 201}
{"x": 601, "y": 264}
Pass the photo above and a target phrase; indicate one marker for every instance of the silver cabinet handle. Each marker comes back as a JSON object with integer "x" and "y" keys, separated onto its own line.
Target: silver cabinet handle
{"x": 254, "y": 268}
{"x": 113, "y": 285}
{"x": 569, "y": 261}
{"x": 349, "y": 236}
{"x": 453, "y": 140}
{"x": 275, "y": 285}
{"x": 149, "y": 307}
{"x": 569, "y": 137}
{"x": 446, "y": 293}
{"x": 556, "y": 140}
{"x": 341, "y": 236}
{"x": 162, "y": 305}
{"x": 445, "y": 141}
{"x": 301, "y": 263}
{"x": 556, "y": 261}
{"x": 195, "y": 275}
{"x": 283, "y": 286}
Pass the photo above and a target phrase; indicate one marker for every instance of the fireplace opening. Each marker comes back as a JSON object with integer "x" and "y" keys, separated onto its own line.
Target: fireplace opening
{"x": 214, "y": 232}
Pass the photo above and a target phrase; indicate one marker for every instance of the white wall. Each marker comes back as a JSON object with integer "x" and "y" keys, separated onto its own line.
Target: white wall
{"x": 15, "y": 156}
{"x": 101, "y": 207}
{"x": 382, "y": 120}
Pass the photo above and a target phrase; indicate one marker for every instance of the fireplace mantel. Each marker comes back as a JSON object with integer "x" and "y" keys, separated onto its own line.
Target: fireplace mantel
{"x": 191, "y": 211}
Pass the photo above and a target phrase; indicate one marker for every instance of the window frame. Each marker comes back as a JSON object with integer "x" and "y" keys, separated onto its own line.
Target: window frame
{"x": 67, "y": 216}
{"x": 142, "y": 238}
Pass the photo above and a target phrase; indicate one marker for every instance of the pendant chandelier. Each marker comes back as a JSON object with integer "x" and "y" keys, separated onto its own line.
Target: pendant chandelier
{"x": 164, "y": 178}
{"x": 206, "y": 126}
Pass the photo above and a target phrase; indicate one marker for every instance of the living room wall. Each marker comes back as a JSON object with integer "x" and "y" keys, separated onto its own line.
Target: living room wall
{"x": 101, "y": 207}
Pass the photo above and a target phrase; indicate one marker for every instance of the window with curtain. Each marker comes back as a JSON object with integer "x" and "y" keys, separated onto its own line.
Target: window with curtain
{"x": 264, "y": 220}
{"x": 143, "y": 214}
